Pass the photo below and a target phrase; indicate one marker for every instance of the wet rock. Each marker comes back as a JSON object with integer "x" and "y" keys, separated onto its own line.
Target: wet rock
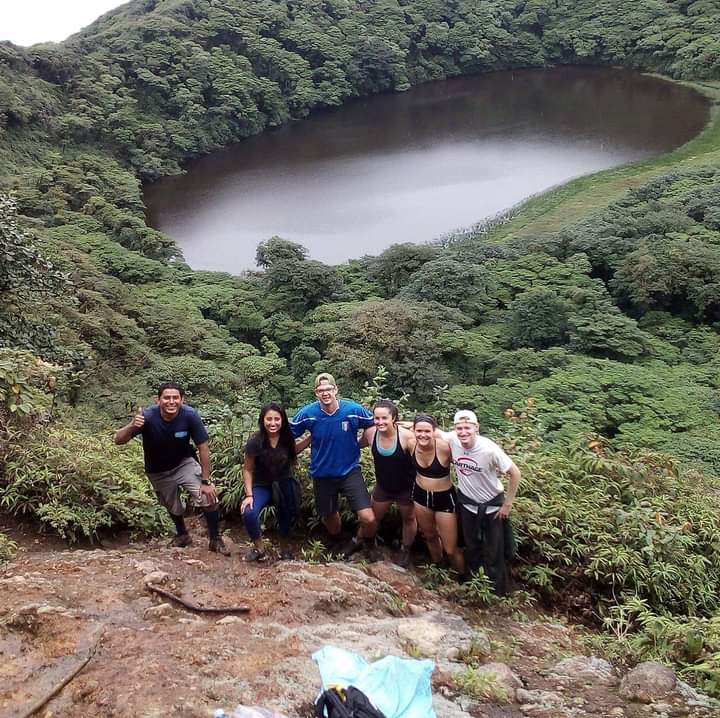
{"x": 586, "y": 669}
{"x": 156, "y": 612}
{"x": 648, "y": 682}
{"x": 505, "y": 678}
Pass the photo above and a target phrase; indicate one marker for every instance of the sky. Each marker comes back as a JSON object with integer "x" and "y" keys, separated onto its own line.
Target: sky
{"x": 26, "y": 22}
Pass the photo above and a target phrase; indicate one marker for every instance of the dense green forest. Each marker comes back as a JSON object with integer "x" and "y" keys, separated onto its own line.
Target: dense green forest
{"x": 588, "y": 345}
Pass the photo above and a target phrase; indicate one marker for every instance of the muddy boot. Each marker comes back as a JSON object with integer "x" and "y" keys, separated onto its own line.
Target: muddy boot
{"x": 351, "y": 547}
{"x": 217, "y": 545}
{"x": 373, "y": 552}
{"x": 181, "y": 541}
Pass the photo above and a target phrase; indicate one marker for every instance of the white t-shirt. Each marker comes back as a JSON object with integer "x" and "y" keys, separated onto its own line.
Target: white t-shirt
{"x": 477, "y": 468}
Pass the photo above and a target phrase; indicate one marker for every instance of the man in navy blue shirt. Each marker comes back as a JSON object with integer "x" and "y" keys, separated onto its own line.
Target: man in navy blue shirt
{"x": 335, "y": 459}
{"x": 171, "y": 461}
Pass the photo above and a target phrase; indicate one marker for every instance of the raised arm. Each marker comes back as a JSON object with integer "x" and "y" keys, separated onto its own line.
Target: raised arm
{"x": 122, "y": 436}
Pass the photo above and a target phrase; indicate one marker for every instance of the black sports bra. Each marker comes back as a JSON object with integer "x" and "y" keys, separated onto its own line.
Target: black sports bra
{"x": 435, "y": 471}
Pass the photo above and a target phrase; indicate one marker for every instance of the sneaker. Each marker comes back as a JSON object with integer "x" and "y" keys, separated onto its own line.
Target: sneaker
{"x": 217, "y": 545}
{"x": 287, "y": 555}
{"x": 351, "y": 547}
{"x": 403, "y": 558}
{"x": 255, "y": 555}
{"x": 181, "y": 541}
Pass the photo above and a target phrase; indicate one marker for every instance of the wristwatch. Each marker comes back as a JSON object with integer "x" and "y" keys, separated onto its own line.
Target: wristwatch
{"x": 205, "y": 482}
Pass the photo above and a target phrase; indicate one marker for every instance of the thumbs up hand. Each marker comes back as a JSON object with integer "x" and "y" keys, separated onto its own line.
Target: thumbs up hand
{"x": 139, "y": 418}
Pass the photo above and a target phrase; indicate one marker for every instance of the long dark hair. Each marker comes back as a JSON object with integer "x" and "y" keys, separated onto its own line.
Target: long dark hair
{"x": 286, "y": 440}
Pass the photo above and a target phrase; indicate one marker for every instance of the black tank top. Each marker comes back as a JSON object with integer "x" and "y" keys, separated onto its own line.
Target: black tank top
{"x": 394, "y": 473}
{"x": 435, "y": 471}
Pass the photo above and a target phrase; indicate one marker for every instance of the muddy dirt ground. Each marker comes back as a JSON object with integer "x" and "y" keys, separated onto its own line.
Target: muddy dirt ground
{"x": 151, "y": 657}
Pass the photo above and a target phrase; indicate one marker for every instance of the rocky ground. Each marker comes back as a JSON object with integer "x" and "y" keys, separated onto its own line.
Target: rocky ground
{"x": 151, "y": 657}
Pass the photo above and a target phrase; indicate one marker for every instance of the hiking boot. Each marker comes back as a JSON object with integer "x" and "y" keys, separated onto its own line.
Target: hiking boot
{"x": 351, "y": 547}
{"x": 287, "y": 555}
{"x": 403, "y": 558}
{"x": 374, "y": 553}
{"x": 255, "y": 555}
{"x": 217, "y": 545}
{"x": 181, "y": 541}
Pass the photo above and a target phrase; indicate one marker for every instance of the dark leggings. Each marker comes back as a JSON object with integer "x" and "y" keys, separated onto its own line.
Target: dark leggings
{"x": 286, "y": 510}
{"x": 488, "y": 554}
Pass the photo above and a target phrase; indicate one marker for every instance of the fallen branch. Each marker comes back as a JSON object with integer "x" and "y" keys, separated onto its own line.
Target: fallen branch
{"x": 42, "y": 702}
{"x": 194, "y": 606}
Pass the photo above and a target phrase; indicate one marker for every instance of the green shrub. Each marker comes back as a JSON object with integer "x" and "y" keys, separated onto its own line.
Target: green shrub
{"x": 78, "y": 484}
{"x": 8, "y": 548}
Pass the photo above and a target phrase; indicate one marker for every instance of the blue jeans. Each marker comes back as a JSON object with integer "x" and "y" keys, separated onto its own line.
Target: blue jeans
{"x": 286, "y": 509}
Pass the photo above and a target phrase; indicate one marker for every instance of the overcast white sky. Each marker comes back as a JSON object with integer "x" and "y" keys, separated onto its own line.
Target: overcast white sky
{"x": 26, "y": 22}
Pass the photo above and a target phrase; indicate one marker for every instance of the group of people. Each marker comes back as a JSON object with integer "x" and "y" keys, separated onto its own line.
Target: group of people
{"x": 412, "y": 464}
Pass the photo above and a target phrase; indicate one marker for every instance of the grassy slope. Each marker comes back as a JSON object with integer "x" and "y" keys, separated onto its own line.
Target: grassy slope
{"x": 568, "y": 203}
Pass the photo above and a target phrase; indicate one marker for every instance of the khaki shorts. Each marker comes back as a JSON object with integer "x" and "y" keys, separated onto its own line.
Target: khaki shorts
{"x": 167, "y": 485}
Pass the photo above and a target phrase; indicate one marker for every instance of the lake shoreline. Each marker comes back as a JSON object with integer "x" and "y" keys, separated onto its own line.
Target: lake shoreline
{"x": 219, "y": 177}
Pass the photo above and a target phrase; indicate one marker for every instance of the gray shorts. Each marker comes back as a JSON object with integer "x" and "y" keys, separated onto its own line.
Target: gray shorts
{"x": 352, "y": 487}
{"x": 167, "y": 485}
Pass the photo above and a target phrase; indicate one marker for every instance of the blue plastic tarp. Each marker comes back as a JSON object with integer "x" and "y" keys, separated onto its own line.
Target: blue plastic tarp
{"x": 399, "y": 687}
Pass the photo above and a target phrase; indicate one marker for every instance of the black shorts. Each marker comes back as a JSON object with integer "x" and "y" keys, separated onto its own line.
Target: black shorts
{"x": 441, "y": 501}
{"x": 352, "y": 487}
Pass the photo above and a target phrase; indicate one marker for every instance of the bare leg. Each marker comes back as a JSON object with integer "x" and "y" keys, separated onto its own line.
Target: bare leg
{"x": 448, "y": 529}
{"x": 333, "y": 524}
{"x": 426, "y": 524}
{"x": 409, "y": 524}
{"x": 379, "y": 509}
{"x": 368, "y": 525}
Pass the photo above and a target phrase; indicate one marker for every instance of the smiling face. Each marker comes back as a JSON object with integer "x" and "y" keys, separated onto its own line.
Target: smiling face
{"x": 383, "y": 420}
{"x": 466, "y": 432}
{"x": 326, "y": 394}
{"x": 169, "y": 402}
{"x": 272, "y": 421}
{"x": 424, "y": 433}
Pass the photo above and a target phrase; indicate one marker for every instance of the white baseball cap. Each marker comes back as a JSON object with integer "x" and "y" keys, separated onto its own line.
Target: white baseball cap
{"x": 465, "y": 415}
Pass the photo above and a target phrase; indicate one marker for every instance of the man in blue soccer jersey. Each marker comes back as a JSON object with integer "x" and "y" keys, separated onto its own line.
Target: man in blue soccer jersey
{"x": 171, "y": 461}
{"x": 335, "y": 460}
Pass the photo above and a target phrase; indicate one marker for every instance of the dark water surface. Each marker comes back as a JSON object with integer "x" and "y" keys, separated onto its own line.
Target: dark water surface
{"x": 410, "y": 167}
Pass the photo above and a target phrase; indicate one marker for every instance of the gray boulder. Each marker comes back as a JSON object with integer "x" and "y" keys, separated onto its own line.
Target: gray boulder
{"x": 648, "y": 682}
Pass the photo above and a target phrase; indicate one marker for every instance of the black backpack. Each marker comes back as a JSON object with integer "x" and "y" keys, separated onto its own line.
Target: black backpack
{"x": 337, "y": 702}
